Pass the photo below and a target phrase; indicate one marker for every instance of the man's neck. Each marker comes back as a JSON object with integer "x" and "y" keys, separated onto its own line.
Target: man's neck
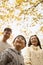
{"x": 4, "y": 40}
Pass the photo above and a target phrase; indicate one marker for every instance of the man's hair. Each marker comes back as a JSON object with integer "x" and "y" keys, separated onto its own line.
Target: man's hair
{"x": 8, "y": 29}
{"x": 21, "y": 37}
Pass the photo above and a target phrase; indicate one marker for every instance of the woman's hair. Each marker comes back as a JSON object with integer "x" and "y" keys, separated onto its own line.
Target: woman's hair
{"x": 21, "y": 37}
{"x": 29, "y": 43}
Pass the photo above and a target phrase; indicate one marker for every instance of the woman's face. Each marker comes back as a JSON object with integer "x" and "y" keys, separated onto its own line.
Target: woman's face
{"x": 34, "y": 40}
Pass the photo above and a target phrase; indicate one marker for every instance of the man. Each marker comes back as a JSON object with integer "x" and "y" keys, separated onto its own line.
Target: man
{"x": 12, "y": 56}
{"x": 6, "y": 35}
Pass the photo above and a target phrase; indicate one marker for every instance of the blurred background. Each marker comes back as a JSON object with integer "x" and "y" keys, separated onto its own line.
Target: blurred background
{"x": 23, "y": 17}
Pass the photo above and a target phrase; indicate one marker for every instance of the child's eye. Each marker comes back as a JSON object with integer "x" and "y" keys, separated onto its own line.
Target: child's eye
{"x": 17, "y": 41}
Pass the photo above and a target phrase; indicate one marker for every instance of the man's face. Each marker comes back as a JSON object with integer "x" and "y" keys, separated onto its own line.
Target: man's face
{"x": 19, "y": 43}
{"x": 7, "y": 34}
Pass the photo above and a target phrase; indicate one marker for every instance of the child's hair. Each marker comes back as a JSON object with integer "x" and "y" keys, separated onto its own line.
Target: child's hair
{"x": 21, "y": 37}
{"x": 29, "y": 43}
{"x": 8, "y": 29}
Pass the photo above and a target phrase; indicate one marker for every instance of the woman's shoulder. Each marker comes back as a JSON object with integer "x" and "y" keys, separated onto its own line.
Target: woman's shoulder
{"x": 26, "y": 50}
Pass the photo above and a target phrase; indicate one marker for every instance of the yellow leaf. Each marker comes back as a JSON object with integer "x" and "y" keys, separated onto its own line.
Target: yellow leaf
{"x": 41, "y": 29}
{"x": 18, "y": 2}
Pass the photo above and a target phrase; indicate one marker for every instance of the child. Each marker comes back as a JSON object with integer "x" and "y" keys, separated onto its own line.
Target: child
{"x": 12, "y": 56}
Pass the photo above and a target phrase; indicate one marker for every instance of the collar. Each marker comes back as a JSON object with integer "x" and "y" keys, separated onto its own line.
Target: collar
{"x": 35, "y": 47}
{"x": 18, "y": 52}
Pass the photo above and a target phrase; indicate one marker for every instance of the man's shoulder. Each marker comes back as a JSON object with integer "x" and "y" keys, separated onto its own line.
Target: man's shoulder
{"x": 1, "y": 41}
{"x": 8, "y": 45}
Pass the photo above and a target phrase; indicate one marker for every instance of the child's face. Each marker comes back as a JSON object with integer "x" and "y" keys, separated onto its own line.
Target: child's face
{"x": 19, "y": 43}
{"x": 34, "y": 40}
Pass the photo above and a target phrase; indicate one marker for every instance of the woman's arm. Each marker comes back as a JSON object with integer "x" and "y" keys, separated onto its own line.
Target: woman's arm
{"x": 27, "y": 56}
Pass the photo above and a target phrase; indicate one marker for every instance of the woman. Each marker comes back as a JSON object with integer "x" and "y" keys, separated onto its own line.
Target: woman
{"x": 33, "y": 53}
